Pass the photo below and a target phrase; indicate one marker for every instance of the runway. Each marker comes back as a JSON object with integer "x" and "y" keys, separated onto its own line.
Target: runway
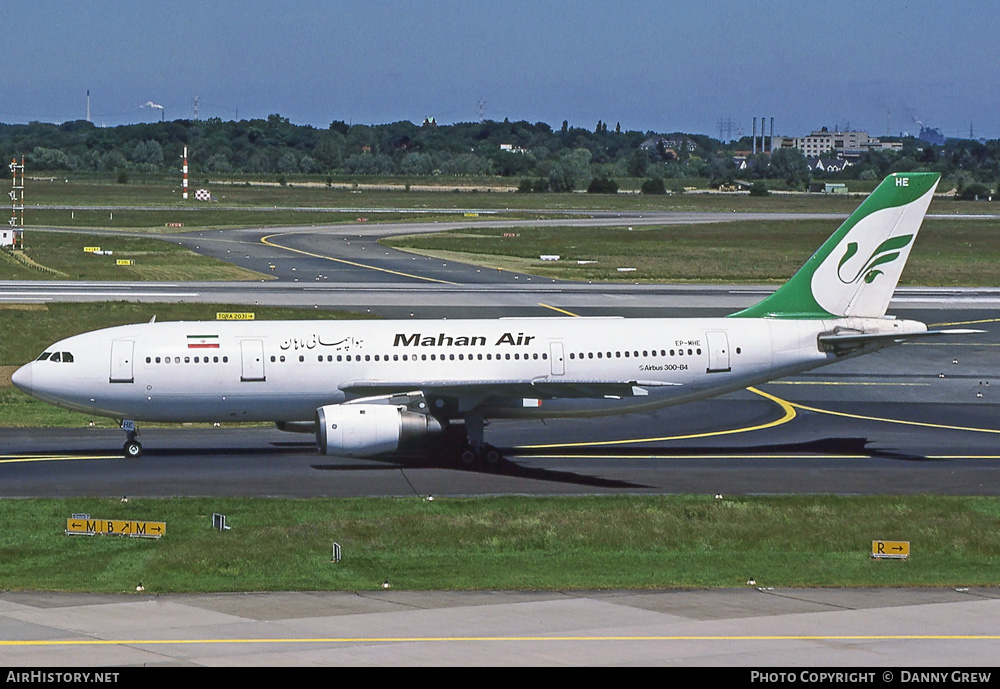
{"x": 886, "y": 631}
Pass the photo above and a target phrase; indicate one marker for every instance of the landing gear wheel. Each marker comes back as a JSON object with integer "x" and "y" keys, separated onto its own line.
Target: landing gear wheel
{"x": 467, "y": 456}
{"x": 492, "y": 455}
{"x": 132, "y": 449}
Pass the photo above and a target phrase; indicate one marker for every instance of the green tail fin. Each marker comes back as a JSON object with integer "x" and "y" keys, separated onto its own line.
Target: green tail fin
{"x": 857, "y": 269}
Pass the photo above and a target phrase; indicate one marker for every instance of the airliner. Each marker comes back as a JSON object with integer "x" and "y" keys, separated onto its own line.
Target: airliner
{"x": 367, "y": 388}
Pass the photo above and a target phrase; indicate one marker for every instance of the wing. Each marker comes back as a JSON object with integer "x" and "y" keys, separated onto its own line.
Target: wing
{"x": 537, "y": 388}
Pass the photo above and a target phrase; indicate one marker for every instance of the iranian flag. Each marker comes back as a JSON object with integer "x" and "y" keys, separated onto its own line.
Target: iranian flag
{"x": 203, "y": 341}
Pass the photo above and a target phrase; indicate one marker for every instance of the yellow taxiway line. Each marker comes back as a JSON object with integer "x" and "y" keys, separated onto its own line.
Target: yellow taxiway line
{"x": 904, "y": 422}
{"x": 16, "y": 459}
{"x": 264, "y": 240}
{"x": 554, "y": 308}
{"x": 787, "y": 408}
{"x": 481, "y": 639}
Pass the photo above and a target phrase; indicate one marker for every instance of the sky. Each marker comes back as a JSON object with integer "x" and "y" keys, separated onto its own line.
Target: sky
{"x": 649, "y": 65}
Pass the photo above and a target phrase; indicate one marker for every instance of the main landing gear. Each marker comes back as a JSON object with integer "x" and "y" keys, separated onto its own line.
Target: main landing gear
{"x": 462, "y": 445}
{"x": 474, "y": 450}
{"x": 470, "y": 455}
{"x": 132, "y": 447}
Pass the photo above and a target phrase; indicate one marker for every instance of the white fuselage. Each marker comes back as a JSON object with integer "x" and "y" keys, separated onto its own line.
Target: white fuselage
{"x": 285, "y": 370}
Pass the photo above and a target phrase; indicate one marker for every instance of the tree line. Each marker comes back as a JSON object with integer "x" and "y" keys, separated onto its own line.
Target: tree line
{"x": 535, "y": 155}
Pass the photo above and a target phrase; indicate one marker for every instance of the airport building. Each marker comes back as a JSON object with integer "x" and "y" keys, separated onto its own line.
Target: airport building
{"x": 10, "y": 238}
{"x": 824, "y": 143}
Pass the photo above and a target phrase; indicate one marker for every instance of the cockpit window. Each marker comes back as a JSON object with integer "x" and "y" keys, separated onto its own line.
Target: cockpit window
{"x": 64, "y": 357}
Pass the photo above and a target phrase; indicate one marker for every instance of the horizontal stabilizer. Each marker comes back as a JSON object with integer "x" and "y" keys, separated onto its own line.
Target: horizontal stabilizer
{"x": 842, "y": 342}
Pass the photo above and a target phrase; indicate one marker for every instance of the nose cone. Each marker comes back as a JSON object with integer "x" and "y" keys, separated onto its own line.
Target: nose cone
{"x": 22, "y": 378}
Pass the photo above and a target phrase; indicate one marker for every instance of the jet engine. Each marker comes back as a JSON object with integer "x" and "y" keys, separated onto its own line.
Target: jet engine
{"x": 365, "y": 430}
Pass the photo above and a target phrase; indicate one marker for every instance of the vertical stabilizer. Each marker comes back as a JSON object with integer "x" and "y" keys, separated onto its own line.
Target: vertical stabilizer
{"x": 857, "y": 269}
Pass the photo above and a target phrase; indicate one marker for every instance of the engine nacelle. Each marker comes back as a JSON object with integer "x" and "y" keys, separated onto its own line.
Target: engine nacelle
{"x": 365, "y": 430}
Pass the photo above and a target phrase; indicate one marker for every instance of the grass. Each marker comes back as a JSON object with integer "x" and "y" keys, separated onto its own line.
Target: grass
{"x": 949, "y": 252}
{"x": 61, "y": 256}
{"x": 503, "y": 543}
{"x": 28, "y": 328}
{"x": 311, "y": 191}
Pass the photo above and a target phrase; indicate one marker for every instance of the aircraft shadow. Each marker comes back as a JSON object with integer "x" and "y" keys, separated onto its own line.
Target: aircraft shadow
{"x": 504, "y": 467}
{"x": 822, "y": 446}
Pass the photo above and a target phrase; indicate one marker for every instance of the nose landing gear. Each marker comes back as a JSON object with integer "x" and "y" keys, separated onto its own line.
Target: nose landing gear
{"x": 132, "y": 447}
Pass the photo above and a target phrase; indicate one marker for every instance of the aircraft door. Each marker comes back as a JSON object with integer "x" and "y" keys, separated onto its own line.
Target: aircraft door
{"x": 718, "y": 351}
{"x": 558, "y": 358}
{"x": 252, "y": 353}
{"x": 121, "y": 361}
